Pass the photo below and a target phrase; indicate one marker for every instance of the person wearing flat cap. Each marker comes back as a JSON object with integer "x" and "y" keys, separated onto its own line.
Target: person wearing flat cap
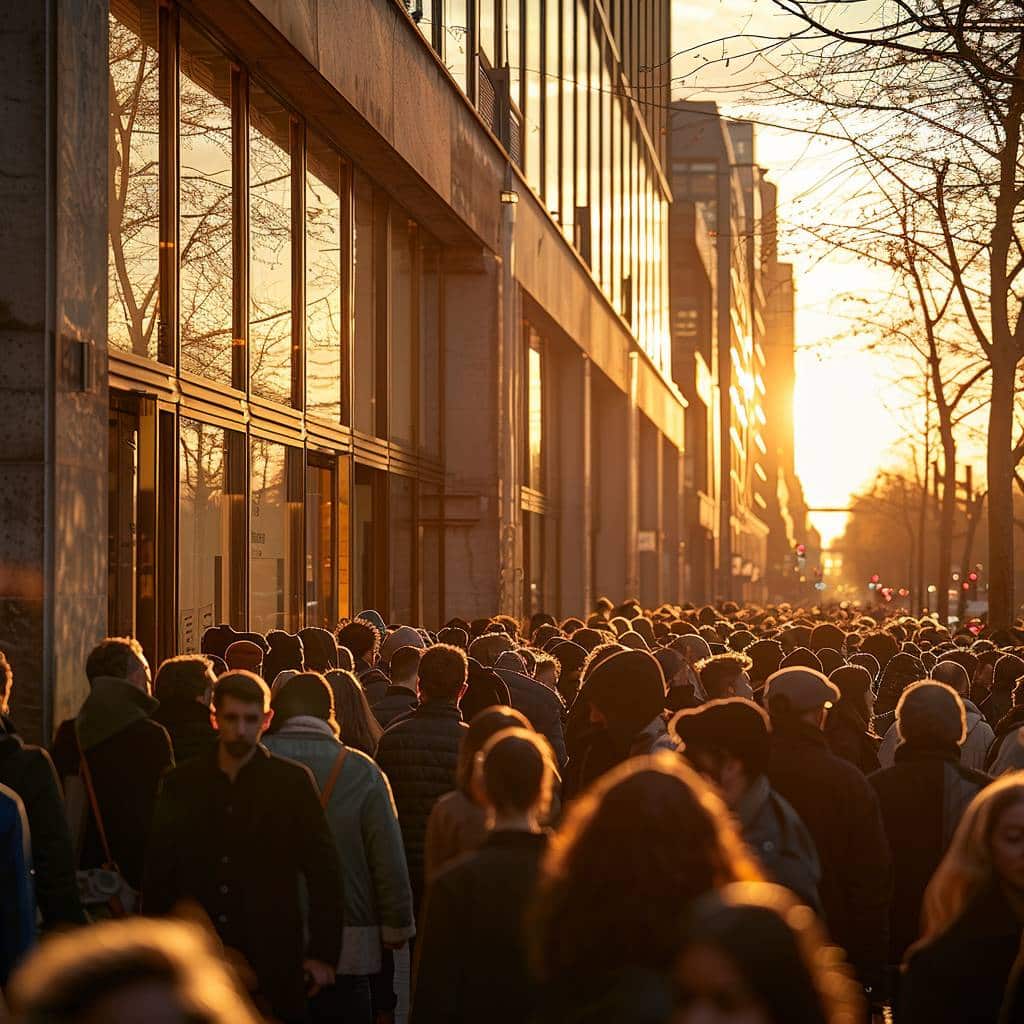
{"x": 841, "y": 811}
{"x": 728, "y": 741}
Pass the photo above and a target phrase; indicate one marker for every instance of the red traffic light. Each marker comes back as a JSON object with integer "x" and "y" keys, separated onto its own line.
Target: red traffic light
{"x": 875, "y": 577}
{"x": 973, "y": 577}
{"x": 801, "y": 549}
{"x": 965, "y": 585}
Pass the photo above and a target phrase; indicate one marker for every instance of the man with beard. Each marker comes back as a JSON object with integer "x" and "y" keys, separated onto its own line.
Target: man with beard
{"x": 234, "y": 830}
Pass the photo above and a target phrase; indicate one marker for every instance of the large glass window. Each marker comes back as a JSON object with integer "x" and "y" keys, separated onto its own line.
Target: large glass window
{"x": 488, "y": 42}
{"x": 552, "y": 91}
{"x": 616, "y": 222}
{"x": 606, "y": 180}
{"x": 582, "y": 161}
{"x": 270, "y": 247}
{"x": 402, "y": 295}
{"x": 594, "y": 96}
{"x": 367, "y": 553}
{"x": 324, "y": 254}
{"x": 205, "y": 208}
{"x": 275, "y": 536}
{"x": 364, "y": 258}
{"x": 513, "y": 50}
{"x": 534, "y": 141}
{"x": 457, "y": 43}
{"x": 401, "y": 494}
{"x": 206, "y": 482}
{"x": 321, "y": 531}
{"x": 133, "y": 249}
{"x": 535, "y": 414}
{"x": 567, "y": 85}
{"x": 430, "y": 348}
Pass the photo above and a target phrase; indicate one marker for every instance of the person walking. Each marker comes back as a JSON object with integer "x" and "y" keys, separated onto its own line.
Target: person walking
{"x": 401, "y": 696}
{"x": 472, "y": 957}
{"x": 183, "y": 685}
{"x": 728, "y": 742}
{"x": 420, "y": 753}
{"x": 236, "y": 831}
{"x": 959, "y": 970}
{"x": 922, "y": 797}
{"x": 364, "y": 823}
{"x": 840, "y": 809}
{"x": 126, "y": 754}
{"x": 848, "y": 726}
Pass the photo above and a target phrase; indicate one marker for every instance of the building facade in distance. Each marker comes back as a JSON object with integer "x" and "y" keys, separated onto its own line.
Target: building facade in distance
{"x": 311, "y": 306}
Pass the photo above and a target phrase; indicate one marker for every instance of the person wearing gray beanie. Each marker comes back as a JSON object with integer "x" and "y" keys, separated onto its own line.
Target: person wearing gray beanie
{"x": 922, "y": 797}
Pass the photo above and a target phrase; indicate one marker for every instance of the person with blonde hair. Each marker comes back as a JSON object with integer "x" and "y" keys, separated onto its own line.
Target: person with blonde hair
{"x": 973, "y": 916}
{"x": 122, "y": 972}
{"x": 633, "y": 852}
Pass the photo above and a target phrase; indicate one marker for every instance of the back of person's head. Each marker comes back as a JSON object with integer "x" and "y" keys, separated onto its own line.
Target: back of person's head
{"x": 616, "y": 878}
{"x": 361, "y": 637}
{"x": 453, "y": 636}
{"x": 777, "y": 952}
{"x": 185, "y": 677}
{"x": 765, "y": 657}
{"x": 719, "y": 672}
{"x": 487, "y": 648}
{"x": 443, "y": 671}
{"x": 319, "y": 649}
{"x": 482, "y": 726}
{"x": 969, "y": 866}
{"x": 244, "y": 655}
{"x": 405, "y": 664}
{"x": 801, "y": 657}
{"x": 245, "y": 687}
{"x": 692, "y": 646}
{"x": 538, "y": 619}
{"x": 306, "y": 694}
{"x": 1009, "y": 668}
{"x": 113, "y": 970}
{"x": 931, "y": 713}
{"x": 516, "y": 772}
{"x": 952, "y": 674}
{"x": 286, "y": 652}
{"x": 115, "y": 657}
{"x": 826, "y": 634}
{"x": 734, "y": 727}
{"x": 356, "y": 722}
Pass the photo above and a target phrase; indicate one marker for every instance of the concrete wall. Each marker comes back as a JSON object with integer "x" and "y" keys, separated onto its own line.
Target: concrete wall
{"x": 53, "y": 296}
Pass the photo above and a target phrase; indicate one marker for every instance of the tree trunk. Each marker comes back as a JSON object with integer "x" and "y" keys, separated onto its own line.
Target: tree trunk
{"x": 973, "y": 518}
{"x": 946, "y": 520}
{"x": 1000, "y": 495}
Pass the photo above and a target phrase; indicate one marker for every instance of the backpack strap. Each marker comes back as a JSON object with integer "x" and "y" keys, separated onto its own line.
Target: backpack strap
{"x": 325, "y": 795}
{"x": 94, "y": 803}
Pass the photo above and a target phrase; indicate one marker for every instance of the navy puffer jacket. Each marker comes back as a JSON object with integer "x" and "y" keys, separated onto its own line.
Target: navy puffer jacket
{"x": 419, "y": 755}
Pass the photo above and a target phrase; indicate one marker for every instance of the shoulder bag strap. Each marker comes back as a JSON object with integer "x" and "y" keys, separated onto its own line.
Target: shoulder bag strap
{"x": 94, "y": 802}
{"x": 325, "y": 796}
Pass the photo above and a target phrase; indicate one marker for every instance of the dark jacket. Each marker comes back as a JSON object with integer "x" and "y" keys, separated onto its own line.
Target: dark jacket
{"x": 543, "y": 707}
{"x": 128, "y": 755}
{"x": 398, "y": 701}
{"x": 472, "y": 947}
{"x": 30, "y": 773}
{"x": 961, "y": 977}
{"x": 847, "y": 736}
{"x": 996, "y": 706}
{"x": 1007, "y": 725}
{"x": 374, "y": 682}
{"x": 188, "y": 724}
{"x": 239, "y": 850}
{"x": 840, "y": 810}
{"x": 17, "y": 901}
{"x": 419, "y": 755}
{"x": 922, "y": 796}
{"x": 775, "y": 833}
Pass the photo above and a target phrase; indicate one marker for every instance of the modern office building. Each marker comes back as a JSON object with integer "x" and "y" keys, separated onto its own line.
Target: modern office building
{"x": 315, "y": 305}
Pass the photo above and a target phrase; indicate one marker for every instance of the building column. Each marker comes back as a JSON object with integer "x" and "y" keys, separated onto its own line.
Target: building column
{"x": 632, "y": 479}
{"x": 53, "y": 297}
{"x": 573, "y": 482}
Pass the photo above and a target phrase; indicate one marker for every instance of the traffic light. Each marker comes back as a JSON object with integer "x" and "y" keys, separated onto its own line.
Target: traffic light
{"x": 801, "y": 550}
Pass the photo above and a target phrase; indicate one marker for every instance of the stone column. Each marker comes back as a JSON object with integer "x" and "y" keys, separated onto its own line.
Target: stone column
{"x": 53, "y": 299}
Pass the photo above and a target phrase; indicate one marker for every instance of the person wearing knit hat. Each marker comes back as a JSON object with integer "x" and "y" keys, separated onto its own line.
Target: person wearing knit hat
{"x": 728, "y": 742}
{"x": 633, "y": 640}
{"x": 826, "y": 634}
{"x": 617, "y": 715}
{"x": 922, "y": 797}
{"x": 589, "y": 638}
{"x": 646, "y": 630}
{"x": 848, "y": 727}
{"x": 286, "y": 651}
{"x": 244, "y": 654}
{"x": 570, "y": 657}
{"x": 840, "y": 809}
{"x": 801, "y": 657}
{"x": 376, "y": 620}
{"x": 404, "y": 636}
{"x": 454, "y": 636}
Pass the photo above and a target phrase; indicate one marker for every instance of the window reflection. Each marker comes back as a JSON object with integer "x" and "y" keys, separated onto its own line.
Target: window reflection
{"x": 270, "y": 250}
{"x": 535, "y": 414}
{"x": 365, "y": 368}
{"x": 323, "y": 279}
{"x": 401, "y": 369}
{"x": 204, "y": 532}
{"x": 457, "y": 42}
{"x": 133, "y": 243}
{"x": 275, "y": 535}
{"x": 552, "y": 88}
{"x": 320, "y": 534}
{"x": 205, "y": 214}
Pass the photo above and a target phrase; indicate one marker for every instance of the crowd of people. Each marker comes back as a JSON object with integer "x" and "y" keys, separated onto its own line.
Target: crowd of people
{"x": 715, "y": 815}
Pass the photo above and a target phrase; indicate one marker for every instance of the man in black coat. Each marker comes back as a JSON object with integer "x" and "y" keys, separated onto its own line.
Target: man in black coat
{"x": 923, "y": 796}
{"x": 840, "y": 810}
{"x": 472, "y": 961}
{"x": 183, "y": 685}
{"x": 236, "y": 830}
{"x": 420, "y": 753}
{"x": 127, "y": 753}
{"x": 401, "y": 696}
{"x": 29, "y": 772}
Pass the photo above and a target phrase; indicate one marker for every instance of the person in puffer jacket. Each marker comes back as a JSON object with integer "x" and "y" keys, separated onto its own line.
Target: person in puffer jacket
{"x": 420, "y": 753}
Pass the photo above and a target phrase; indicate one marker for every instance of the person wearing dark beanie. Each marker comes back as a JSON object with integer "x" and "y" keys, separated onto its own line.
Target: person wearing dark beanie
{"x": 848, "y": 726}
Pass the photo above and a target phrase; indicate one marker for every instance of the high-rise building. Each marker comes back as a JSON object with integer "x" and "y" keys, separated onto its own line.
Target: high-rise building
{"x": 311, "y": 306}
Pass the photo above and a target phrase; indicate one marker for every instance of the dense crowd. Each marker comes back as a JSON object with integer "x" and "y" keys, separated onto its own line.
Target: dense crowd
{"x": 716, "y": 815}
